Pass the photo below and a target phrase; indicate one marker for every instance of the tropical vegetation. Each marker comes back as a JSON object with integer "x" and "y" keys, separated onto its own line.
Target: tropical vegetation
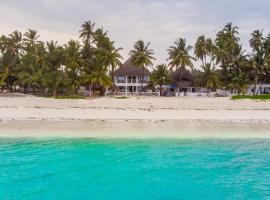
{"x": 47, "y": 68}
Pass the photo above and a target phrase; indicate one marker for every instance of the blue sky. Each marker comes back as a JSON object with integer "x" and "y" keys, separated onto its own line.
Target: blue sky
{"x": 157, "y": 21}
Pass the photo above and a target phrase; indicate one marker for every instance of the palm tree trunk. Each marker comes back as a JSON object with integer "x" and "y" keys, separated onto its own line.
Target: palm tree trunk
{"x": 90, "y": 90}
{"x": 180, "y": 82}
{"x": 255, "y": 84}
{"x": 113, "y": 82}
{"x": 142, "y": 80}
{"x": 161, "y": 90}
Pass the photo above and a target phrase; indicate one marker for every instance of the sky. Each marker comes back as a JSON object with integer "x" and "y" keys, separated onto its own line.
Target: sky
{"x": 159, "y": 22}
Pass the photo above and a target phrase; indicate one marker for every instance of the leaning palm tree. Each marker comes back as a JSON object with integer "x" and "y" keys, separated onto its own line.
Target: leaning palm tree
{"x": 142, "y": 56}
{"x": 179, "y": 58}
{"x": 87, "y": 32}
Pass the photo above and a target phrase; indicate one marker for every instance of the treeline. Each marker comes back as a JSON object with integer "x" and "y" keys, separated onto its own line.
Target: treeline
{"x": 47, "y": 68}
{"x": 52, "y": 69}
{"x": 224, "y": 63}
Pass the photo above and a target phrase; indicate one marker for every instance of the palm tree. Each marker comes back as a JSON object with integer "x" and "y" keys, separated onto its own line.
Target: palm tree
{"x": 31, "y": 39}
{"x": 209, "y": 77}
{"x": 101, "y": 38}
{"x": 179, "y": 58}
{"x": 227, "y": 45}
{"x": 87, "y": 32}
{"x": 142, "y": 56}
{"x": 73, "y": 62}
{"x": 160, "y": 76}
{"x": 203, "y": 48}
{"x": 16, "y": 42}
{"x": 54, "y": 70}
{"x": 259, "y": 55}
{"x": 111, "y": 57}
{"x": 98, "y": 76}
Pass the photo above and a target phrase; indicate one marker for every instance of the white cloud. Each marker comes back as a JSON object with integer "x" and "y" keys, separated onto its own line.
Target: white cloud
{"x": 157, "y": 21}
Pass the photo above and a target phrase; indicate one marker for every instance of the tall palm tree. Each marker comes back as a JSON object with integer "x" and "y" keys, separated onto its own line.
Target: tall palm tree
{"x": 203, "y": 48}
{"x": 54, "y": 71}
{"x": 142, "y": 56}
{"x": 111, "y": 57}
{"x": 259, "y": 55}
{"x": 87, "y": 32}
{"x": 179, "y": 58}
{"x": 16, "y": 42}
{"x": 160, "y": 76}
{"x": 227, "y": 45}
{"x": 31, "y": 39}
{"x": 73, "y": 62}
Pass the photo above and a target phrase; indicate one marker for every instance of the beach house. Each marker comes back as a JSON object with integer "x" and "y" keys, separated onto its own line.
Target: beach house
{"x": 130, "y": 79}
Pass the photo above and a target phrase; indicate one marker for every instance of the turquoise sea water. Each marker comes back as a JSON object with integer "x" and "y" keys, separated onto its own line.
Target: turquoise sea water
{"x": 134, "y": 169}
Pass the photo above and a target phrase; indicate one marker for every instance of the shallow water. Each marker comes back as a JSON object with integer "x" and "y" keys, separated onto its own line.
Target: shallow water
{"x": 134, "y": 169}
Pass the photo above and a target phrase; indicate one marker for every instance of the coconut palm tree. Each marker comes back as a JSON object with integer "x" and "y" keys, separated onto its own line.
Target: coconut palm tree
{"x": 160, "y": 76}
{"x": 179, "y": 58}
{"x": 16, "y": 42}
{"x": 54, "y": 71}
{"x": 73, "y": 63}
{"x": 227, "y": 45}
{"x": 209, "y": 77}
{"x": 142, "y": 56}
{"x": 31, "y": 39}
{"x": 203, "y": 48}
{"x": 87, "y": 32}
{"x": 111, "y": 57}
{"x": 257, "y": 42}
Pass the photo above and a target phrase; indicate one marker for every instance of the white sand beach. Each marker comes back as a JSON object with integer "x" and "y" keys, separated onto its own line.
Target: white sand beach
{"x": 24, "y": 107}
{"x": 184, "y": 117}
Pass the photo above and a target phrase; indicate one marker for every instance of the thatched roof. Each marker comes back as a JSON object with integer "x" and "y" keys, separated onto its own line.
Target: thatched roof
{"x": 129, "y": 69}
{"x": 186, "y": 75}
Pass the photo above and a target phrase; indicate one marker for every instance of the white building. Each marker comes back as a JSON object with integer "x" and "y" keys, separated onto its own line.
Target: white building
{"x": 131, "y": 79}
{"x": 259, "y": 89}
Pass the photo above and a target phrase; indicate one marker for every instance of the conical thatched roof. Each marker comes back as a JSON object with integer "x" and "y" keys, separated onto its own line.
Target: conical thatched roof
{"x": 129, "y": 69}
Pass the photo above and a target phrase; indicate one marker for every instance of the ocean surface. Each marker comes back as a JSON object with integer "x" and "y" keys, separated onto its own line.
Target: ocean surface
{"x": 126, "y": 169}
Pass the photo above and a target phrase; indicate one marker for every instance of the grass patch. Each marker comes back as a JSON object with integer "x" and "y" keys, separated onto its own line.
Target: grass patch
{"x": 72, "y": 97}
{"x": 254, "y": 97}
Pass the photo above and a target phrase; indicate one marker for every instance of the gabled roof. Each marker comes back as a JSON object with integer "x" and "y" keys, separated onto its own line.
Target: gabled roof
{"x": 129, "y": 69}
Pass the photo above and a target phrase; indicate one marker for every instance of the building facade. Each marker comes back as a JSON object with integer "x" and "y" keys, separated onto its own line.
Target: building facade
{"x": 129, "y": 78}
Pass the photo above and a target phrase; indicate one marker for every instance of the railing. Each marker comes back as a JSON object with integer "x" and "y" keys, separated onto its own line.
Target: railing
{"x": 131, "y": 94}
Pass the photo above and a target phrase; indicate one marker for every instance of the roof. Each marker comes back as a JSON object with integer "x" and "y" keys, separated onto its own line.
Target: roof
{"x": 129, "y": 69}
{"x": 186, "y": 76}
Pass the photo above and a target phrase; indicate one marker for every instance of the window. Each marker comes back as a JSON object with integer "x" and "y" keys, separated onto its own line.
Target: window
{"x": 145, "y": 79}
{"x": 121, "y": 79}
{"x": 131, "y": 79}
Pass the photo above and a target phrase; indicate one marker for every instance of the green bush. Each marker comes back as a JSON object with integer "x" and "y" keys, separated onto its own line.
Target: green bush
{"x": 254, "y": 97}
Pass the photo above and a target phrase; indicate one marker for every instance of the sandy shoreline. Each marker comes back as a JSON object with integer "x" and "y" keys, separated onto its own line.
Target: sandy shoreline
{"x": 184, "y": 117}
{"x": 142, "y": 109}
{"x": 132, "y": 129}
